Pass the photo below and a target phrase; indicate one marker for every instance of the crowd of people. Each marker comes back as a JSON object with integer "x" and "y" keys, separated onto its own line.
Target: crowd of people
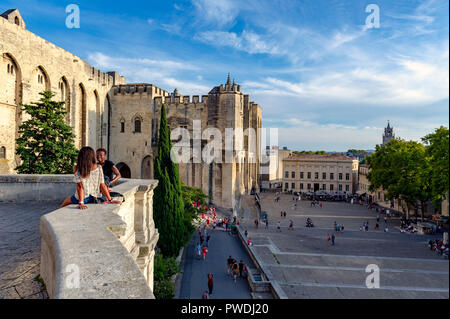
{"x": 439, "y": 247}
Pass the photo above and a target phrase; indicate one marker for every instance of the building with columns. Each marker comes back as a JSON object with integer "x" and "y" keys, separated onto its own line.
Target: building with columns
{"x": 325, "y": 174}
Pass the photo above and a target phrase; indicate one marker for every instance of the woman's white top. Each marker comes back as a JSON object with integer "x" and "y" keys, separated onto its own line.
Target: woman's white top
{"x": 91, "y": 184}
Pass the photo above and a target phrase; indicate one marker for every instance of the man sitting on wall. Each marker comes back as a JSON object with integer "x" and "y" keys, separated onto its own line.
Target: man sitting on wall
{"x": 108, "y": 168}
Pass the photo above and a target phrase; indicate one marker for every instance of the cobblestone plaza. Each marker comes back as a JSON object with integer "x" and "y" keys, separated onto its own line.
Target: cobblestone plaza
{"x": 306, "y": 266}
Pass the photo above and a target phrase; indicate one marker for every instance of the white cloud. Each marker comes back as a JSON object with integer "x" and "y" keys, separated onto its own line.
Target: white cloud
{"x": 403, "y": 82}
{"x": 219, "y": 13}
{"x": 166, "y": 74}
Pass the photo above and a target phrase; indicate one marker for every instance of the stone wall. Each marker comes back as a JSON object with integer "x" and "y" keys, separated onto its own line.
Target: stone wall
{"x": 106, "y": 251}
{"x": 29, "y": 65}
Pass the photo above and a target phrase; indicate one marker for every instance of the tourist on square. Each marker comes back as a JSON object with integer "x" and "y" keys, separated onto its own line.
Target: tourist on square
{"x": 342, "y": 228}
{"x": 284, "y": 214}
{"x": 235, "y": 270}
{"x": 198, "y": 250}
{"x": 332, "y": 239}
{"x": 246, "y": 233}
{"x": 256, "y": 223}
{"x": 229, "y": 264}
{"x": 210, "y": 283}
{"x": 89, "y": 178}
{"x": 214, "y": 226}
{"x": 328, "y": 239}
{"x": 208, "y": 237}
{"x": 245, "y": 269}
{"x": 241, "y": 268}
{"x": 291, "y": 225}
{"x": 204, "y": 252}
{"x": 267, "y": 223}
{"x": 281, "y": 214}
{"x": 279, "y": 226}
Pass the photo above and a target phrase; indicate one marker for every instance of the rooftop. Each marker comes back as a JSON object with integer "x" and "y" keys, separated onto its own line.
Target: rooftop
{"x": 332, "y": 157}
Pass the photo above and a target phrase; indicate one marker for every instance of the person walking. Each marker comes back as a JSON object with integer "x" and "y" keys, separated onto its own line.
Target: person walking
{"x": 210, "y": 283}
{"x": 291, "y": 225}
{"x": 208, "y": 237}
{"x": 235, "y": 270}
{"x": 284, "y": 214}
{"x": 332, "y": 239}
{"x": 204, "y": 252}
{"x": 198, "y": 250}
{"x": 279, "y": 226}
{"x": 229, "y": 264}
{"x": 328, "y": 239}
{"x": 267, "y": 223}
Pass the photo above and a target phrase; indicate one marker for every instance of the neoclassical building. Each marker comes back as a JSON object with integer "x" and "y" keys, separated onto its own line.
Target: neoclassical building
{"x": 105, "y": 111}
{"x": 327, "y": 174}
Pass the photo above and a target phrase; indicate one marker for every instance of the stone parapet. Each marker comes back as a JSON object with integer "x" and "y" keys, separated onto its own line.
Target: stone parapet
{"x": 267, "y": 282}
{"x": 105, "y": 251}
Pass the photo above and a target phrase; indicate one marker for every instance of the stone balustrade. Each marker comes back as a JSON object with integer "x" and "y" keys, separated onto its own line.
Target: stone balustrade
{"x": 105, "y": 251}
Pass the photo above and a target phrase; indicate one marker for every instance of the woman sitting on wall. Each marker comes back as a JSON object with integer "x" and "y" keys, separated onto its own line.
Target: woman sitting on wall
{"x": 89, "y": 179}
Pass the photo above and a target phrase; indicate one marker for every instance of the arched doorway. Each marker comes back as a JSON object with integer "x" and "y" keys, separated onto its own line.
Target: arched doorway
{"x": 124, "y": 170}
{"x": 147, "y": 167}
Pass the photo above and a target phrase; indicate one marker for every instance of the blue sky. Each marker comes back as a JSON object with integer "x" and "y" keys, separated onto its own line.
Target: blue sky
{"x": 321, "y": 77}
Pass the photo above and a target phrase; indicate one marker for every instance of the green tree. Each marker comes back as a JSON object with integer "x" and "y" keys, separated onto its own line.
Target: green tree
{"x": 169, "y": 215}
{"x": 400, "y": 167}
{"x": 437, "y": 149}
{"x": 46, "y": 142}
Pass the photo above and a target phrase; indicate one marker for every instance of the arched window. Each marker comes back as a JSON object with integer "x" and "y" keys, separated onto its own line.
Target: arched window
{"x": 8, "y": 68}
{"x": 137, "y": 125}
{"x": 16, "y": 20}
{"x": 122, "y": 126}
{"x": 2, "y": 152}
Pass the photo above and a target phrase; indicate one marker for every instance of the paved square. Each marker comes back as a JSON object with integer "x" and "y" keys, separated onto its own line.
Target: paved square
{"x": 306, "y": 266}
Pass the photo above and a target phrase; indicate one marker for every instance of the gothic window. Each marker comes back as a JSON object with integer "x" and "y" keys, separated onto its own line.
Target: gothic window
{"x": 137, "y": 125}
{"x": 8, "y": 68}
{"x": 16, "y": 21}
{"x": 2, "y": 152}
{"x": 122, "y": 126}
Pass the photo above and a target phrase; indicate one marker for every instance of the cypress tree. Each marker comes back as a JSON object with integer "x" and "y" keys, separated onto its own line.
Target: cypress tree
{"x": 46, "y": 142}
{"x": 168, "y": 205}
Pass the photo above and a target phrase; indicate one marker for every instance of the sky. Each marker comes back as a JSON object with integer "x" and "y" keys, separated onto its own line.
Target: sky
{"x": 322, "y": 77}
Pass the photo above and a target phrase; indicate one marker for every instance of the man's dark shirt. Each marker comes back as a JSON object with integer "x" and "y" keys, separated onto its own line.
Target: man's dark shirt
{"x": 107, "y": 169}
